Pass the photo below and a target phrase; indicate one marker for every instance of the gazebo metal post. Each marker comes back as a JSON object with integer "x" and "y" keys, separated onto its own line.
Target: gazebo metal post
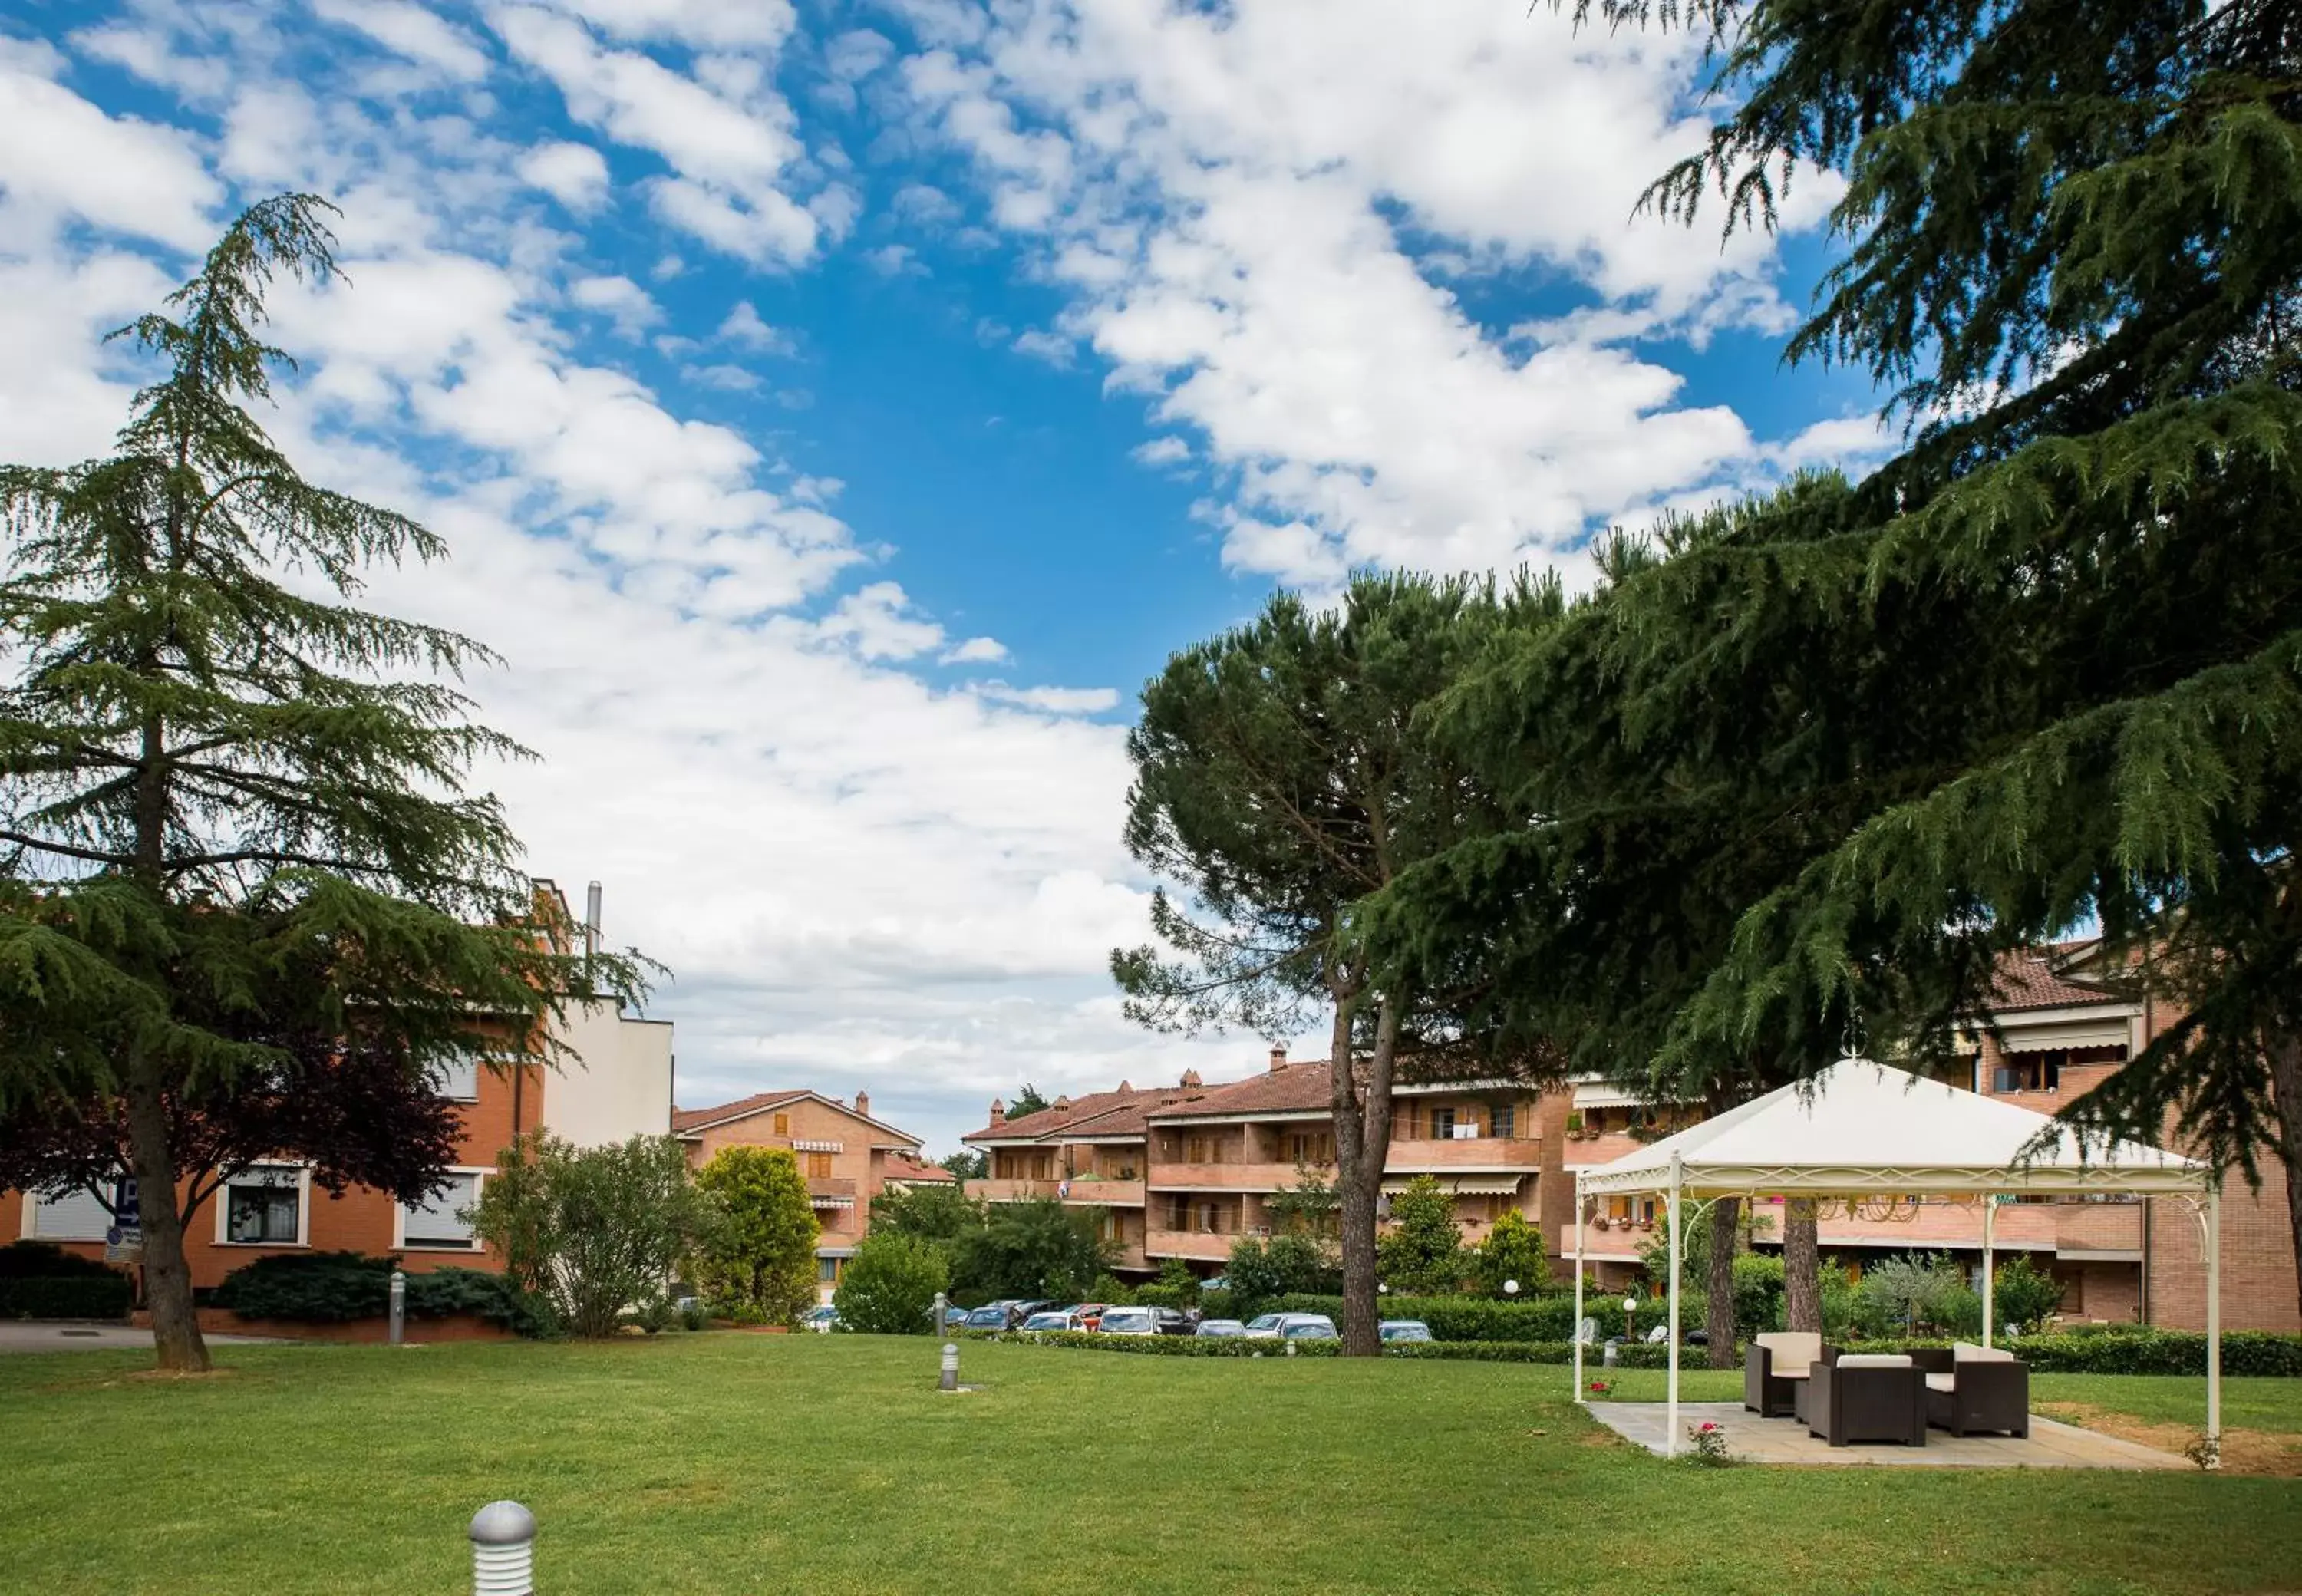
{"x": 2213, "y": 1218}
{"x": 1579, "y": 1393}
{"x": 1670, "y": 1413}
{"x": 1989, "y": 1218}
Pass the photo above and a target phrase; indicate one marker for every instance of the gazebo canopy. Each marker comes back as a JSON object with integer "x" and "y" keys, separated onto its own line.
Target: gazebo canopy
{"x": 1863, "y": 1127}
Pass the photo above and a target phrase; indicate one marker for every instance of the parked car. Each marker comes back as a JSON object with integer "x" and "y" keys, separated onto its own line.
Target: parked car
{"x": 991, "y": 1316}
{"x": 1130, "y": 1322}
{"x": 954, "y": 1315}
{"x": 1054, "y": 1319}
{"x": 823, "y": 1321}
{"x": 1173, "y": 1322}
{"x": 1404, "y": 1330}
{"x": 1308, "y": 1327}
{"x": 1091, "y": 1313}
{"x": 1221, "y": 1328}
{"x": 1263, "y": 1327}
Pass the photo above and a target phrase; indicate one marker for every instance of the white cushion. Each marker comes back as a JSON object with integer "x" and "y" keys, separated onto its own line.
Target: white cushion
{"x": 1874, "y": 1360}
{"x": 1793, "y": 1349}
{"x": 1942, "y": 1382}
{"x": 1967, "y": 1352}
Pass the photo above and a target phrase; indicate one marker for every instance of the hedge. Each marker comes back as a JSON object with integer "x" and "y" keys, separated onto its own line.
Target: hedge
{"x": 103, "y": 1295}
{"x": 1546, "y": 1317}
{"x": 335, "y": 1288}
{"x": 2245, "y": 1352}
{"x": 45, "y": 1260}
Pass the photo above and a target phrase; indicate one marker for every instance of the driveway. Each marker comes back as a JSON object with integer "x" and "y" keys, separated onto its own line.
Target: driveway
{"x": 51, "y": 1335}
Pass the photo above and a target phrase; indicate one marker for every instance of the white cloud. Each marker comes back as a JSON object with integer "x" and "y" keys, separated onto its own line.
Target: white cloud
{"x": 976, "y": 651}
{"x": 1054, "y": 700}
{"x": 879, "y": 622}
{"x": 1163, "y": 451}
{"x": 1221, "y": 193}
{"x": 730, "y": 154}
{"x": 856, "y": 54}
{"x": 410, "y": 30}
{"x": 728, "y": 379}
{"x": 573, "y": 174}
{"x": 923, "y": 205}
{"x": 702, "y": 22}
{"x": 746, "y": 329}
{"x": 620, "y": 299}
{"x": 1053, "y": 347}
{"x": 59, "y": 155}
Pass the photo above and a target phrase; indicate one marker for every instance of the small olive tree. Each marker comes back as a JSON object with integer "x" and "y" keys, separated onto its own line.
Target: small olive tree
{"x": 760, "y": 1259}
{"x": 890, "y": 1284}
{"x": 593, "y": 1232}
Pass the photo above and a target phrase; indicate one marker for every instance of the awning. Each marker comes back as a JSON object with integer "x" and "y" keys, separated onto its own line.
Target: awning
{"x": 1606, "y": 1096}
{"x": 2073, "y": 1033}
{"x": 830, "y": 1202}
{"x": 1460, "y": 1185}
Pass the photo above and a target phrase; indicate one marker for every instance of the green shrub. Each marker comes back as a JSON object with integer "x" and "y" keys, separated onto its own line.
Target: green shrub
{"x": 1217, "y": 1303}
{"x": 1161, "y": 1297}
{"x": 336, "y": 1288}
{"x": 1758, "y": 1293}
{"x": 2023, "y": 1295}
{"x": 888, "y": 1287}
{"x": 45, "y": 1260}
{"x": 1110, "y": 1290}
{"x": 1512, "y": 1252}
{"x": 1548, "y": 1317}
{"x": 761, "y": 1253}
{"x": 102, "y": 1295}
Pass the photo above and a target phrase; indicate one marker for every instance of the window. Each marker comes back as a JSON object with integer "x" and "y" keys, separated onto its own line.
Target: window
{"x": 1506, "y": 1120}
{"x": 783, "y": 1124}
{"x": 818, "y": 1166}
{"x": 2030, "y": 1072}
{"x": 458, "y": 1078}
{"x": 79, "y": 1215}
{"x": 438, "y": 1219}
{"x": 1442, "y": 1124}
{"x": 1304, "y": 1147}
{"x": 826, "y": 1270}
{"x": 264, "y": 1207}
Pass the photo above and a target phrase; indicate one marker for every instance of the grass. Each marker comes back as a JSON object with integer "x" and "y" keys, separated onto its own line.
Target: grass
{"x": 742, "y": 1463}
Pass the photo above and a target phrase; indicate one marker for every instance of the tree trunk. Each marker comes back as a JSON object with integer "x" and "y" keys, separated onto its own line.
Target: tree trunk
{"x": 1362, "y": 1147}
{"x": 1801, "y": 1266}
{"x": 1718, "y": 1316}
{"x": 167, "y": 1275}
{"x": 2286, "y": 1107}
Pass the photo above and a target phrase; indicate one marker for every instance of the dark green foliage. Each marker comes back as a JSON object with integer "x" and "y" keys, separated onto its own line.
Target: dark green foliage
{"x": 1176, "y": 1276}
{"x": 1109, "y": 1289}
{"x": 45, "y": 1260}
{"x": 1038, "y": 1249}
{"x": 932, "y": 1213}
{"x": 103, "y": 1295}
{"x": 759, "y": 1254}
{"x": 1220, "y": 1303}
{"x": 1027, "y": 1101}
{"x": 967, "y": 1164}
{"x": 889, "y": 1286}
{"x": 2023, "y": 1295}
{"x": 1261, "y": 1272}
{"x": 339, "y": 1288}
{"x": 1421, "y": 1253}
{"x": 1758, "y": 1293}
{"x": 1511, "y": 1252}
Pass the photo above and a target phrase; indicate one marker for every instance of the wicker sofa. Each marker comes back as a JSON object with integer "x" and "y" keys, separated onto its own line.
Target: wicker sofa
{"x": 1972, "y": 1389}
{"x": 1775, "y": 1365}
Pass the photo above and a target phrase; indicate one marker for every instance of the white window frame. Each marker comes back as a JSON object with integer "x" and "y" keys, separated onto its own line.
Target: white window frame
{"x": 29, "y": 1221}
{"x": 222, "y": 1200}
{"x": 477, "y": 1060}
{"x": 400, "y": 1241}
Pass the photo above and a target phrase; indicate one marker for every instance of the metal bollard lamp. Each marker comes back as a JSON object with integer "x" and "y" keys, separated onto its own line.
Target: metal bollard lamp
{"x": 503, "y": 1550}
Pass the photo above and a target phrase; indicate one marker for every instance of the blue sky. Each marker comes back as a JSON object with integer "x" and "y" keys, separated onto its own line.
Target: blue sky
{"x": 837, "y": 411}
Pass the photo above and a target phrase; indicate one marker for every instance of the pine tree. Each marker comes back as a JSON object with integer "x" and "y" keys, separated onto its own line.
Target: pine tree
{"x": 229, "y": 803}
{"x": 1285, "y": 774}
{"x": 2075, "y": 256}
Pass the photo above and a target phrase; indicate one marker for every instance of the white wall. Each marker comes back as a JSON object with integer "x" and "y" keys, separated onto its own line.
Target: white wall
{"x": 617, "y": 1083}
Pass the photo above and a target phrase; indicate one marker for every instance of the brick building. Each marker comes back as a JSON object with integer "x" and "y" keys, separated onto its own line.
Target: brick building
{"x": 848, "y": 1157}
{"x": 1183, "y": 1171}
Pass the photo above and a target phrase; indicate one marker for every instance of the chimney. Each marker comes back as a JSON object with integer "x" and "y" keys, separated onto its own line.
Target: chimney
{"x": 1190, "y": 1078}
{"x": 1061, "y": 1108}
{"x": 1278, "y": 1057}
{"x": 1124, "y": 1089}
{"x": 863, "y": 1105}
{"x": 998, "y": 1112}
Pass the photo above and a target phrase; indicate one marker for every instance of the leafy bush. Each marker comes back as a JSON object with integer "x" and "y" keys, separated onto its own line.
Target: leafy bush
{"x": 1423, "y": 1253}
{"x": 102, "y": 1295}
{"x": 1218, "y": 1303}
{"x": 1501, "y": 1352}
{"x": 889, "y": 1286}
{"x": 2023, "y": 1295}
{"x": 1176, "y": 1276}
{"x": 1109, "y": 1289}
{"x": 593, "y": 1231}
{"x": 1160, "y": 1297}
{"x": 761, "y": 1253}
{"x": 1758, "y": 1293}
{"x": 1511, "y": 1251}
{"x": 1260, "y": 1271}
{"x": 336, "y": 1288}
{"x": 45, "y": 1260}
{"x": 1035, "y": 1248}
{"x": 1548, "y": 1317}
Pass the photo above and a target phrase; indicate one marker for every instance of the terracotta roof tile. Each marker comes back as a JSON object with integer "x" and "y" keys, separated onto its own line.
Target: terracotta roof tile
{"x": 1293, "y": 1090}
{"x": 1117, "y": 1113}
{"x": 2032, "y": 979}
{"x": 900, "y": 1168}
{"x": 688, "y": 1119}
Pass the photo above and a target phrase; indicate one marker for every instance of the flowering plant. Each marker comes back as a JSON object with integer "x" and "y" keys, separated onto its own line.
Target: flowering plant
{"x": 1599, "y": 1388}
{"x": 1709, "y": 1439}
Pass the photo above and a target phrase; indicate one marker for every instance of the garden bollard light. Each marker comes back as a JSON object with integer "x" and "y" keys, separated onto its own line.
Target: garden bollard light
{"x": 1290, "y": 1349}
{"x": 942, "y": 1312}
{"x": 399, "y": 1306}
{"x": 503, "y": 1550}
{"x": 1607, "y": 1357}
{"x": 950, "y": 1367}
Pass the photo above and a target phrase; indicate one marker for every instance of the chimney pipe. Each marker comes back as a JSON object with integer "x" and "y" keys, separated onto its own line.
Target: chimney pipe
{"x": 863, "y": 1104}
{"x": 592, "y": 921}
{"x": 998, "y": 1112}
{"x": 1278, "y": 1057}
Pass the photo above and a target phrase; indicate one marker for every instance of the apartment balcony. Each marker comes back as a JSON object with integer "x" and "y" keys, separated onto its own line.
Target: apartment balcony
{"x": 1223, "y": 1177}
{"x": 1586, "y": 1151}
{"x": 1212, "y": 1244}
{"x": 831, "y": 1191}
{"x": 1461, "y": 1153}
{"x": 1010, "y": 1191}
{"x": 1085, "y": 1191}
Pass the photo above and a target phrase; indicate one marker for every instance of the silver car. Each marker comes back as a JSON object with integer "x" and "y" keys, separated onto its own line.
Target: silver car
{"x": 1308, "y": 1327}
{"x": 1404, "y": 1330}
{"x": 1130, "y": 1322}
{"x": 1219, "y": 1327}
{"x": 1054, "y": 1320}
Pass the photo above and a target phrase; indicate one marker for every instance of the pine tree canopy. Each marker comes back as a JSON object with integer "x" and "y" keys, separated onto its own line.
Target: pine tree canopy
{"x": 2044, "y": 669}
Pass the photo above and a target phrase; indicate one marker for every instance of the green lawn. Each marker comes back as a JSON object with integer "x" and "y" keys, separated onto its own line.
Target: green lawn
{"x": 742, "y": 1463}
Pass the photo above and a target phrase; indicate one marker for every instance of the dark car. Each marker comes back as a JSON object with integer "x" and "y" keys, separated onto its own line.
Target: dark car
{"x": 991, "y": 1316}
{"x": 1174, "y": 1322}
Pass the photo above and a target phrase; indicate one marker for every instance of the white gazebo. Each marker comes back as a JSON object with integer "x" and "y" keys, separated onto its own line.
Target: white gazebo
{"x": 1861, "y": 1129}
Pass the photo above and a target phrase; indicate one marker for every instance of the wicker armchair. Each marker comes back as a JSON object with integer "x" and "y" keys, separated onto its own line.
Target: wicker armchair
{"x": 1773, "y": 1368}
{"x": 1972, "y": 1389}
{"x": 1877, "y": 1396}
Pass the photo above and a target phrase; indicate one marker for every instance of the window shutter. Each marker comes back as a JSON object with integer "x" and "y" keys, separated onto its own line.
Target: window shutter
{"x": 78, "y": 1215}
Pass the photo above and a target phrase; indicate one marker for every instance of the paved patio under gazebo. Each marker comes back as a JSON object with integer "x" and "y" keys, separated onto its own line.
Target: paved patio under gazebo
{"x": 1751, "y": 1439}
